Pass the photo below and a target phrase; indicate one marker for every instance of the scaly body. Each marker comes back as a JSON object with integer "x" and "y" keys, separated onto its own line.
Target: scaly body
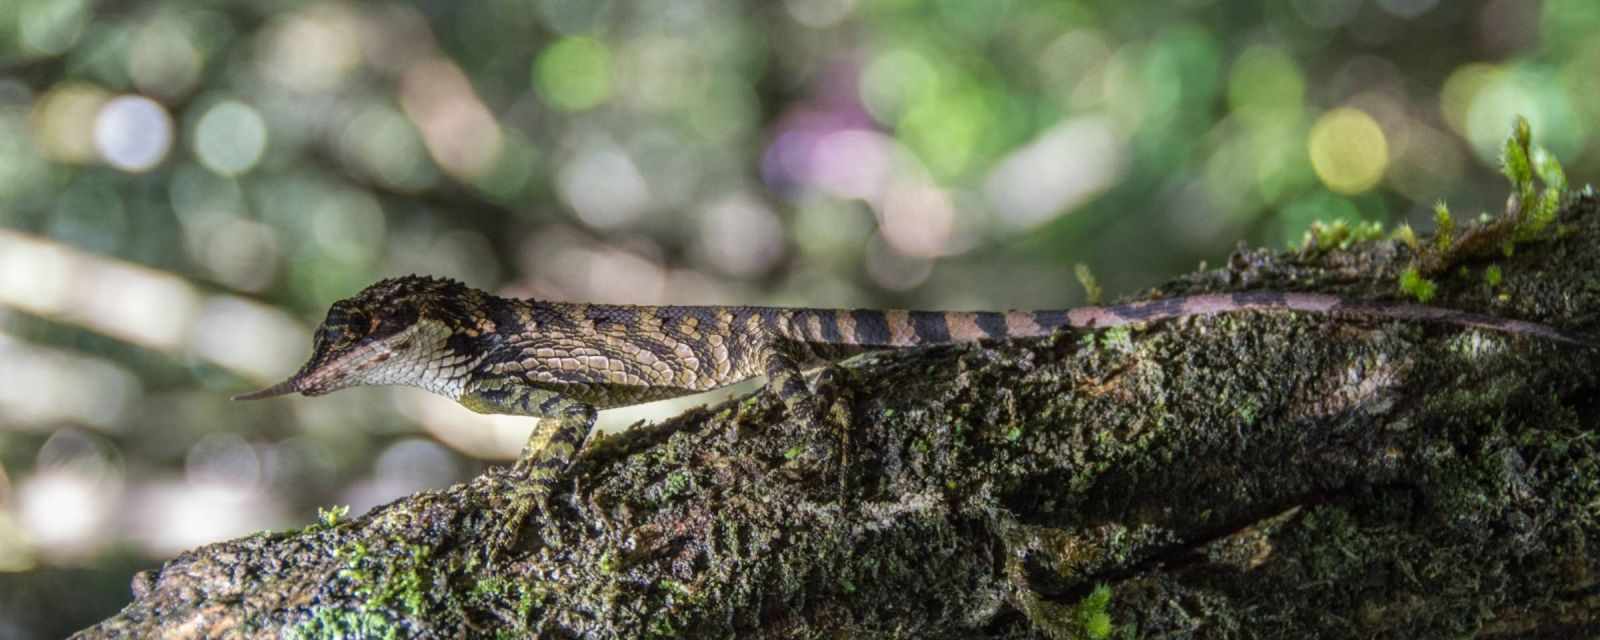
{"x": 561, "y": 362}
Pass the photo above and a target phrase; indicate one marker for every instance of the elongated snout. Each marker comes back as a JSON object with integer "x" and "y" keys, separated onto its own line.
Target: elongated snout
{"x": 292, "y": 385}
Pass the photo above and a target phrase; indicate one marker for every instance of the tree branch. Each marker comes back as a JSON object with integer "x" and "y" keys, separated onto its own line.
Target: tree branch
{"x": 1292, "y": 472}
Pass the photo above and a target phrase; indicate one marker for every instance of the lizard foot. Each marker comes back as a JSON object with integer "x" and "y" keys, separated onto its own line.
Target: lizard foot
{"x": 827, "y": 417}
{"x": 540, "y": 469}
{"x": 518, "y": 500}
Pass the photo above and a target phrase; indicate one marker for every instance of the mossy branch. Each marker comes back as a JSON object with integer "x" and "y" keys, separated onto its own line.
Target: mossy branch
{"x": 1527, "y": 217}
{"x": 1291, "y": 474}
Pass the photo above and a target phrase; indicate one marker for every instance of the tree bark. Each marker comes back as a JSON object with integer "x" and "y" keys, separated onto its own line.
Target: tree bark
{"x": 1243, "y": 475}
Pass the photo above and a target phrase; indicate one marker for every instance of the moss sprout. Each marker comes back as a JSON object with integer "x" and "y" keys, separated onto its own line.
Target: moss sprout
{"x": 1091, "y": 613}
{"x": 1413, "y": 284}
{"x": 1406, "y": 235}
{"x": 1091, "y": 288}
{"x": 1444, "y": 226}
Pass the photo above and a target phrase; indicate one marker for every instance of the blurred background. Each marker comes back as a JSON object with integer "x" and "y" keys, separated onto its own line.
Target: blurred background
{"x": 186, "y": 185}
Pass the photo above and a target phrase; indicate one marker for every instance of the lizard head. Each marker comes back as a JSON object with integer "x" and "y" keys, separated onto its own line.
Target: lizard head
{"x": 412, "y": 330}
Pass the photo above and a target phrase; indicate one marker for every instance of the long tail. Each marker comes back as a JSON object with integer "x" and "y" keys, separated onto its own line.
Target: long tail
{"x": 873, "y": 328}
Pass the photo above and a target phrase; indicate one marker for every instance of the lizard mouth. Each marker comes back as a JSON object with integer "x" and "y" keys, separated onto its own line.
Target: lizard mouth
{"x": 309, "y": 382}
{"x": 297, "y": 384}
{"x": 329, "y": 372}
{"x": 319, "y": 376}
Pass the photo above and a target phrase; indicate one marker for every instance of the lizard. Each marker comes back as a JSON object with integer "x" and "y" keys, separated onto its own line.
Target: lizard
{"x": 562, "y": 362}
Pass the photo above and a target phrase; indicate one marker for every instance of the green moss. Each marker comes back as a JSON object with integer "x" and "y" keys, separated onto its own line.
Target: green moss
{"x": 331, "y": 516}
{"x": 1333, "y": 544}
{"x": 673, "y": 586}
{"x": 1514, "y": 161}
{"x": 1492, "y": 275}
{"x": 1444, "y": 226}
{"x": 1088, "y": 339}
{"x": 491, "y": 586}
{"x": 1521, "y": 162}
{"x": 608, "y": 562}
{"x": 1091, "y": 288}
{"x": 1118, "y": 339}
{"x": 1405, "y": 235}
{"x": 494, "y": 592}
{"x": 1366, "y": 231}
{"x": 1248, "y": 410}
{"x": 677, "y": 482}
{"x": 353, "y": 556}
{"x": 1091, "y": 614}
{"x": 1240, "y": 413}
{"x": 392, "y": 581}
{"x": 1544, "y": 208}
{"x": 1529, "y": 214}
{"x": 1339, "y": 234}
{"x": 1413, "y": 284}
{"x": 338, "y": 624}
{"x": 662, "y": 628}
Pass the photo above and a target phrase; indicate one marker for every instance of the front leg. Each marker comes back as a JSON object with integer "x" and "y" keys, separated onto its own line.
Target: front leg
{"x": 563, "y": 426}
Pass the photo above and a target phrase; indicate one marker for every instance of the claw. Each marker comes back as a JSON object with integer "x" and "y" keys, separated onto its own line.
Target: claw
{"x": 528, "y": 502}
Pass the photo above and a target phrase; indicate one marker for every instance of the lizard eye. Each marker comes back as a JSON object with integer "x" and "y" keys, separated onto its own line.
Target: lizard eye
{"x": 330, "y": 337}
{"x": 342, "y": 327}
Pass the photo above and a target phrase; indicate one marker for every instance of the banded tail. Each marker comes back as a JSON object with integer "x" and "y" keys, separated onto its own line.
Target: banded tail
{"x": 872, "y": 328}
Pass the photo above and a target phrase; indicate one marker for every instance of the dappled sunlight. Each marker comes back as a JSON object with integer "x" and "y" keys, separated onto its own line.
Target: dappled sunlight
{"x": 186, "y": 188}
{"x": 1071, "y": 163}
{"x": 52, "y": 391}
{"x": 275, "y": 346}
{"x": 403, "y": 468}
{"x": 458, "y": 129}
{"x": 145, "y": 307}
{"x": 72, "y": 498}
{"x": 165, "y": 517}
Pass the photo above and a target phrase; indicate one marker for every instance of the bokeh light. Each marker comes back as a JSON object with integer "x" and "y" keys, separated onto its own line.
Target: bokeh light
{"x": 132, "y": 133}
{"x": 1265, "y": 86}
{"x": 574, "y": 73}
{"x": 71, "y": 499}
{"x": 312, "y": 50}
{"x": 52, "y": 391}
{"x": 1348, "y": 150}
{"x": 457, "y": 128}
{"x": 741, "y": 236}
{"x": 384, "y": 145}
{"x": 64, "y": 122}
{"x": 48, "y": 26}
{"x": 185, "y": 188}
{"x": 603, "y": 185}
{"x": 230, "y": 138}
{"x": 1069, "y": 164}
{"x": 163, "y": 59}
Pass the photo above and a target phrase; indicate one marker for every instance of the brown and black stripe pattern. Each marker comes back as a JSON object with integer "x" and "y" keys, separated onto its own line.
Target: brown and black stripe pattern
{"x": 698, "y": 348}
{"x": 610, "y": 356}
{"x": 560, "y": 361}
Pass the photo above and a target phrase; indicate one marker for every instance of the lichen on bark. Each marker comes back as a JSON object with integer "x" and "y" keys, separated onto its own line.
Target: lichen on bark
{"x": 1248, "y": 474}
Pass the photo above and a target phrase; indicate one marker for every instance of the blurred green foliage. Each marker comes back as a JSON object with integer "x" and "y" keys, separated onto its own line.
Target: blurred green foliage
{"x": 207, "y": 176}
